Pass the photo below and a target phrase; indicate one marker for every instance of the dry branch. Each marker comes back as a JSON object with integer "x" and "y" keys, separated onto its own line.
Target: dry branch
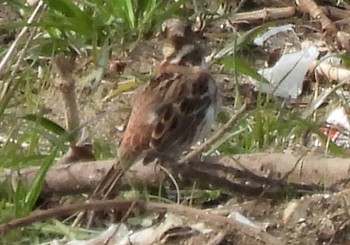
{"x": 41, "y": 215}
{"x": 214, "y": 220}
{"x": 331, "y": 72}
{"x": 312, "y": 170}
{"x": 336, "y": 13}
{"x": 62, "y": 69}
{"x": 309, "y": 6}
{"x": 21, "y": 36}
{"x": 288, "y": 12}
{"x": 65, "y": 179}
{"x": 263, "y": 15}
{"x": 217, "y": 136}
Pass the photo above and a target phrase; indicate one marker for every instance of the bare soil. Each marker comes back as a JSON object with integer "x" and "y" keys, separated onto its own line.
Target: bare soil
{"x": 321, "y": 218}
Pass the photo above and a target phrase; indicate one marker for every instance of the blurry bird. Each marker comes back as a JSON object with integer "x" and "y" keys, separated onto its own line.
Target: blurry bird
{"x": 174, "y": 110}
{"x": 79, "y": 152}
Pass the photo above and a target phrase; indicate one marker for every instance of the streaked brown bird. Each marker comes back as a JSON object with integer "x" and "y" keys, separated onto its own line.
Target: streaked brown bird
{"x": 175, "y": 109}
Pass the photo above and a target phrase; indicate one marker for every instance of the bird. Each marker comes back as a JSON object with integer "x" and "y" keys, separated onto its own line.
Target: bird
{"x": 78, "y": 152}
{"x": 174, "y": 109}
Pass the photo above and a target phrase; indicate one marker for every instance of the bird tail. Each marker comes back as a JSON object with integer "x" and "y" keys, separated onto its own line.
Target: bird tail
{"x": 110, "y": 182}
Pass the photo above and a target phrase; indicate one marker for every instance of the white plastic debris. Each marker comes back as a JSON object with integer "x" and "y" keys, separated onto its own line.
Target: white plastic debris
{"x": 287, "y": 76}
{"x": 120, "y": 234}
{"x": 152, "y": 234}
{"x": 115, "y": 234}
{"x": 339, "y": 117}
{"x": 337, "y": 128}
{"x": 259, "y": 41}
{"x": 242, "y": 219}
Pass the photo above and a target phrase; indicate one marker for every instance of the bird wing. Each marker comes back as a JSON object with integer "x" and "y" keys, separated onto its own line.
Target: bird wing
{"x": 172, "y": 106}
{"x": 180, "y": 117}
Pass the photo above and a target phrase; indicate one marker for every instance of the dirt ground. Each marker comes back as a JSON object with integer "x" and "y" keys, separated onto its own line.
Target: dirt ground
{"x": 311, "y": 218}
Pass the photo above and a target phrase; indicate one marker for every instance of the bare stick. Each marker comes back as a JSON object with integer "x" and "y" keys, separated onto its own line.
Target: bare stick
{"x": 214, "y": 138}
{"x": 211, "y": 219}
{"x": 16, "y": 66}
{"x": 321, "y": 171}
{"x": 263, "y": 14}
{"x": 65, "y": 82}
{"x": 59, "y": 211}
{"x": 10, "y": 53}
{"x": 311, "y": 7}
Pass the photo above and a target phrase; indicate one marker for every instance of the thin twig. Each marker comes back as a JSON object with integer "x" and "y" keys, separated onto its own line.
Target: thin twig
{"x": 10, "y": 53}
{"x": 59, "y": 211}
{"x": 285, "y": 177}
{"x": 65, "y": 82}
{"x": 172, "y": 178}
{"x": 203, "y": 215}
{"x": 214, "y": 138}
{"x": 126, "y": 215}
{"x": 16, "y": 66}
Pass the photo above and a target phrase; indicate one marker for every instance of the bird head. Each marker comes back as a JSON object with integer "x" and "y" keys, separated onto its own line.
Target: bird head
{"x": 182, "y": 45}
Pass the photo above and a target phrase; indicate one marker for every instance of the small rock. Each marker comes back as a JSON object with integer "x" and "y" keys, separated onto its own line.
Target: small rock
{"x": 294, "y": 213}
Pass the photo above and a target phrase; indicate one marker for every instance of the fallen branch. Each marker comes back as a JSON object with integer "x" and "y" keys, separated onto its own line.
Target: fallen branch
{"x": 267, "y": 168}
{"x": 64, "y": 179}
{"x": 286, "y": 12}
{"x": 263, "y": 15}
{"x": 60, "y": 211}
{"x": 335, "y": 13}
{"x": 220, "y": 222}
{"x": 313, "y": 170}
{"x": 309, "y": 6}
{"x": 331, "y": 72}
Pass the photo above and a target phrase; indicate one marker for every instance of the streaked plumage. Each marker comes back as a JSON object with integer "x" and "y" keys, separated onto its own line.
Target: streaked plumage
{"x": 176, "y": 107}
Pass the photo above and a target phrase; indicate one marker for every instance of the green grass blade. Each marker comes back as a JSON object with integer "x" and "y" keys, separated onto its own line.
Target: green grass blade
{"x": 130, "y": 8}
{"x": 46, "y": 124}
{"x": 66, "y": 14}
{"x": 247, "y": 38}
{"x": 36, "y": 186}
{"x": 242, "y": 66}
